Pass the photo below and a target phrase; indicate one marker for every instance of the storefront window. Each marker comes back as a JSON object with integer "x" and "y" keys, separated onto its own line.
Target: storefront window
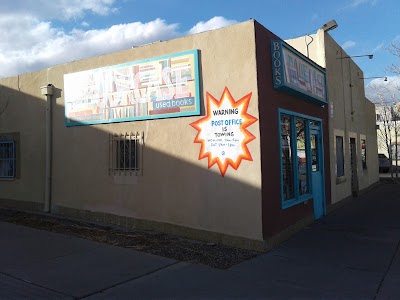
{"x": 301, "y": 156}
{"x": 287, "y": 157}
{"x": 295, "y": 158}
{"x": 314, "y": 153}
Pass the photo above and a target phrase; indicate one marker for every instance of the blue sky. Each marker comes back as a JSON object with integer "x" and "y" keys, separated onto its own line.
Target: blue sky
{"x": 35, "y": 34}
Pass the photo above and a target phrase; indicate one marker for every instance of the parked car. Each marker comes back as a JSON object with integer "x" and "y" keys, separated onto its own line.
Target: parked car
{"x": 384, "y": 163}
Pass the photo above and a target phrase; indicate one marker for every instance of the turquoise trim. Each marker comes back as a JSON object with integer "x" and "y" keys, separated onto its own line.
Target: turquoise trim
{"x": 308, "y": 154}
{"x": 286, "y": 203}
{"x": 293, "y": 202}
{"x": 295, "y": 158}
{"x": 161, "y": 116}
{"x": 278, "y": 73}
{"x": 280, "y": 154}
{"x": 317, "y": 213}
{"x": 288, "y": 112}
{"x": 196, "y": 112}
{"x": 321, "y": 152}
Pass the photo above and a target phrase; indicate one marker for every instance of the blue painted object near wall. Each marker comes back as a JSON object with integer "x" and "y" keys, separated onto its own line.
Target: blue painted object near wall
{"x": 315, "y": 178}
{"x": 297, "y": 75}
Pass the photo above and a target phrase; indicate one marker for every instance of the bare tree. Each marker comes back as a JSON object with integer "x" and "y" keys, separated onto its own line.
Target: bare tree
{"x": 394, "y": 49}
{"x": 386, "y": 98}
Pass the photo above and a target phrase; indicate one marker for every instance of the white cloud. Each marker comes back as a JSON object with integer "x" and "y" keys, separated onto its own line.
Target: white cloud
{"x": 348, "y": 45}
{"x": 377, "y": 48}
{"x": 214, "y": 23}
{"x": 357, "y": 3}
{"x": 29, "y": 44}
{"x": 383, "y": 92}
{"x": 42, "y": 46}
{"x": 57, "y": 9}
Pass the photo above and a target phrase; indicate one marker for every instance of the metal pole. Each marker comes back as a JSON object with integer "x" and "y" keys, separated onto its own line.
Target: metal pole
{"x": 48, "y": 91}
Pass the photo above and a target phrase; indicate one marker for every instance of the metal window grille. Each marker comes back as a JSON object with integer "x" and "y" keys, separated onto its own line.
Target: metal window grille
{"x": 7, "y": 159}
{"x": 125, "y": 157}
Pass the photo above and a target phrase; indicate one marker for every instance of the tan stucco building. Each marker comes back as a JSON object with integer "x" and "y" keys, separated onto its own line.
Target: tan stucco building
{"x": 351, "y": 116}
{"x": 387, "y": 126}
{"x": 190, "y": 136}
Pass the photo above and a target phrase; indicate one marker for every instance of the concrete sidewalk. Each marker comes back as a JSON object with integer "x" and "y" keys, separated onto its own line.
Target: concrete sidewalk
{"x": 353, "y": 253}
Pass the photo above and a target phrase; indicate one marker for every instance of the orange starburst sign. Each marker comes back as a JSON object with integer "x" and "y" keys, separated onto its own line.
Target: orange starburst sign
{"x": 222, "y": 132}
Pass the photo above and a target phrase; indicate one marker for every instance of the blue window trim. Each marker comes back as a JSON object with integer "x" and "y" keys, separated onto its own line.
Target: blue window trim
{"x": 293, "y": 115}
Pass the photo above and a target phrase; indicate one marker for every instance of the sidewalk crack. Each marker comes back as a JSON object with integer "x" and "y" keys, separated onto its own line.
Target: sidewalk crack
{"x": 128, "y": 280}
{"x": 387, "y": 270}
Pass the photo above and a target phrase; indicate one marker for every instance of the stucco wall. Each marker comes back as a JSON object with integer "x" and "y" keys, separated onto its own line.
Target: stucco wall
{"x": 372, "y": 146}
{"x": 176, "y": 187}
{"x": 22, "y": 110}
{"x": 349, "y": 112}
{"x": 311, "y": 46}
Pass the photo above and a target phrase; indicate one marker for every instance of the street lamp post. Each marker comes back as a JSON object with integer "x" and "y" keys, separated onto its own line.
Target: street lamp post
{"x": 370, "y": 56}
{"x": 384, "y": 77}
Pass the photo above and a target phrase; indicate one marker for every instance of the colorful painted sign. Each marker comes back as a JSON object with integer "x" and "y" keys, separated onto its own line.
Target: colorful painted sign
{"x": 160, "y": 87}
{"x": 297, "y": 74}
{"x": 222, "y": 132}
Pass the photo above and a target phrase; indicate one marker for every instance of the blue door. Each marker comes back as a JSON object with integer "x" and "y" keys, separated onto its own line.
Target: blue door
{"x": 317, "y": 173}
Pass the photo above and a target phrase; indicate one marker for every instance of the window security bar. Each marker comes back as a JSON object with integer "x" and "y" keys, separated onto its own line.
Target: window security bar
{"x": 7, "y": 159}
{"x": 125, "y": 154}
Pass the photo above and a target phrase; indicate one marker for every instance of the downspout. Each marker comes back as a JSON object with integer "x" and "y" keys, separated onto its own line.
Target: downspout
{"x": 48, "y": 92}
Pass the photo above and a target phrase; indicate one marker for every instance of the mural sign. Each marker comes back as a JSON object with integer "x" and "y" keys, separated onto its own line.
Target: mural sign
{"x": 160, "y": 87}
{"x": 222, "y": 132}
{"x": 297, "y": 74}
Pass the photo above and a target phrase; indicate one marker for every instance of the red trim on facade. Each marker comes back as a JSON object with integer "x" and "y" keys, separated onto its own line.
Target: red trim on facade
{"x": 274, "y": 218}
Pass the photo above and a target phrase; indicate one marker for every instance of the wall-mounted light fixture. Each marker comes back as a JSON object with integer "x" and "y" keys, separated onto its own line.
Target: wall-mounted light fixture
{"x": 384, "y": 78}
{"x": 370, "y": 56}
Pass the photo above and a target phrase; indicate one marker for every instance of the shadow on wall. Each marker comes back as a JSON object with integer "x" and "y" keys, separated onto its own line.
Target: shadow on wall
{"x": 171, "y": 192}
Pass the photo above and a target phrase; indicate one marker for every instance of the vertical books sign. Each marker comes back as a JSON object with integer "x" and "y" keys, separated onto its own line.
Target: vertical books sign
{"x": 296, "y": 74}
{"x": 154, "y": 88}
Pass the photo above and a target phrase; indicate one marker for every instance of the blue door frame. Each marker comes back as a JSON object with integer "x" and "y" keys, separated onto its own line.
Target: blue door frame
{"x": 317, "y": 172}
{"x": 315, "y": 169}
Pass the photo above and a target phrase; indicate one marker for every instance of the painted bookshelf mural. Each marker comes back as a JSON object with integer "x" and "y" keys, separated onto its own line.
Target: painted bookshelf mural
{"x": 160, "y": 87}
